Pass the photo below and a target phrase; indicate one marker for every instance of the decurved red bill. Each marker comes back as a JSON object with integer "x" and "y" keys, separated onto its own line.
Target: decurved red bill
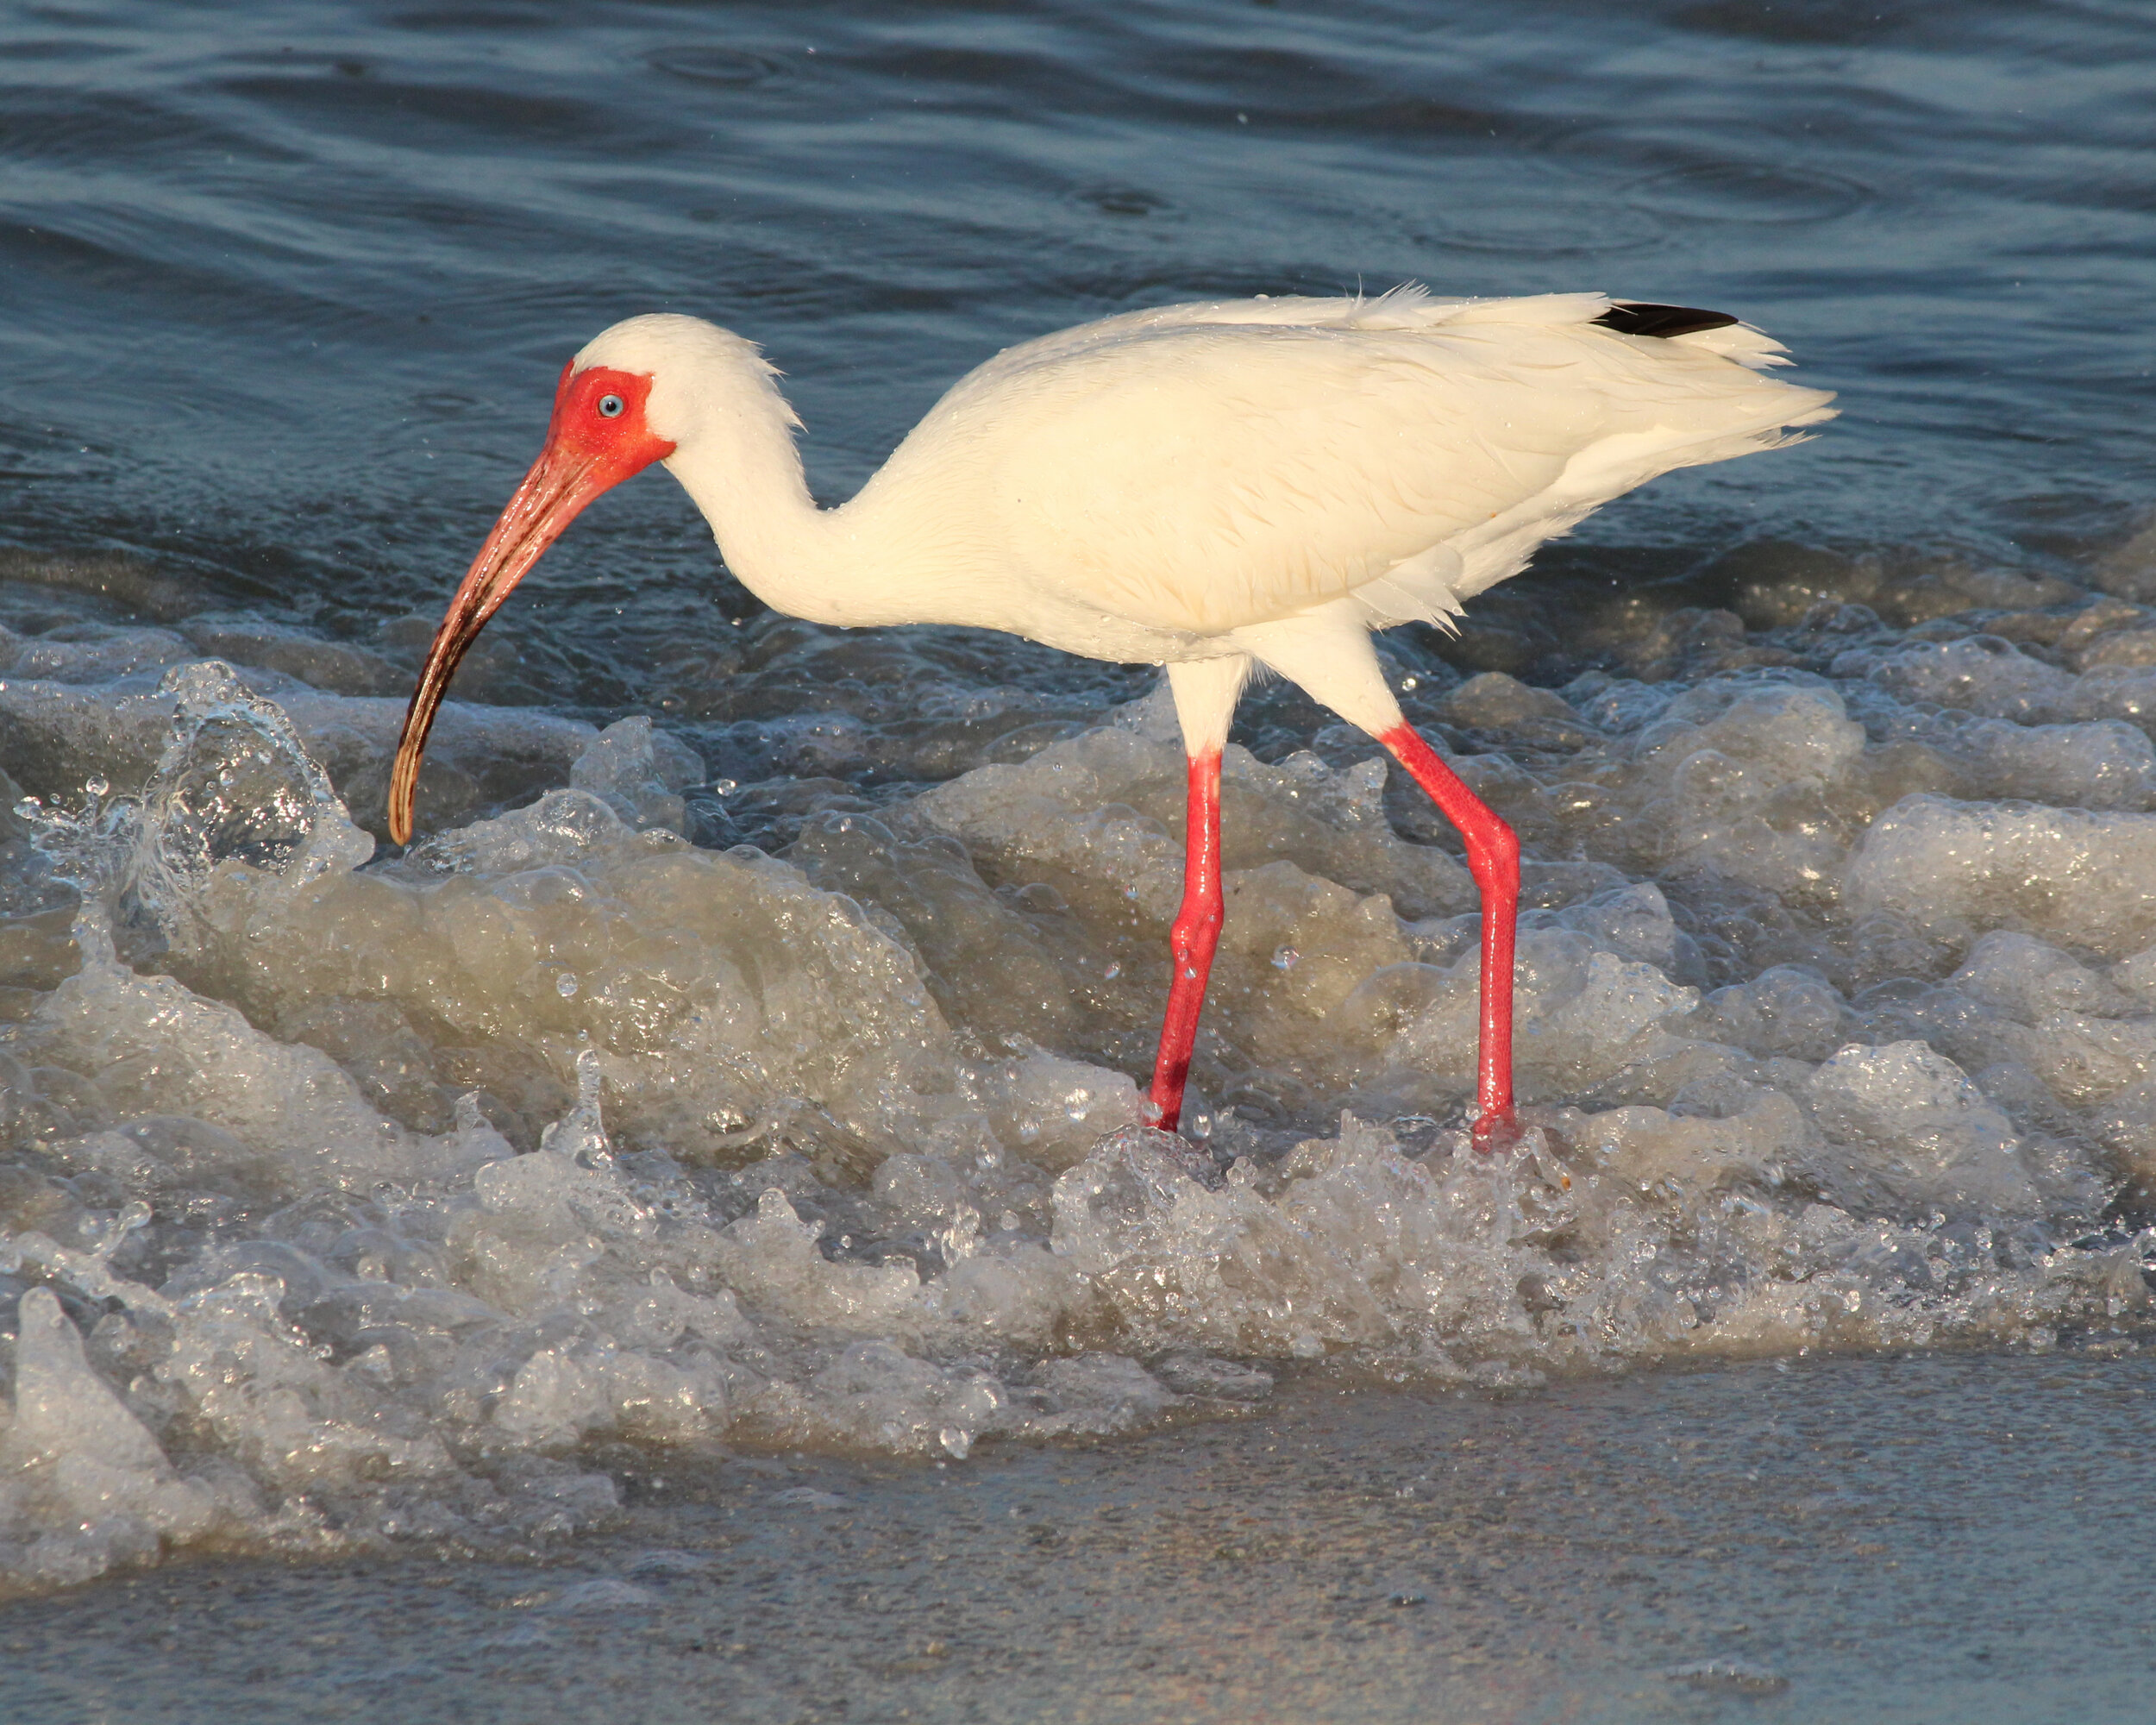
{"x": 597, "y": 439}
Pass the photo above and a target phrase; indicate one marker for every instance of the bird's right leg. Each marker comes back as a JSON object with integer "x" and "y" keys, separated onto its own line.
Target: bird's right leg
{"x": 1206, "y": 692}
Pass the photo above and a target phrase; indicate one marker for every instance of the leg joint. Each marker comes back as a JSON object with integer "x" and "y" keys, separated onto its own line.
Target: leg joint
{"x": 1493, "y": 849}
{"x": 1196, "y": 932}
{"x": 1207, "y": 913}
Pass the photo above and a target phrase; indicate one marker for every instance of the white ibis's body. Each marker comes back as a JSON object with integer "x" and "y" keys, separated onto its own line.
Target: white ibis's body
{"x": 1204, "y": 486}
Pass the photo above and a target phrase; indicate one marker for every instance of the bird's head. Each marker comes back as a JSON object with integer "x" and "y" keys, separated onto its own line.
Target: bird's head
{"x": 623, "y": 403}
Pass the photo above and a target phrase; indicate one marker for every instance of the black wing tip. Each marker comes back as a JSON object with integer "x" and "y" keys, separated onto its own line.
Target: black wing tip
{"x": 1630, "y": 318}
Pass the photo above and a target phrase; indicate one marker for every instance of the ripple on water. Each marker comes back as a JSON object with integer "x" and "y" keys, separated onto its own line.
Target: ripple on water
{"x": 1751, "y": 193}
{"x": 733, "y": 68}
{"x": 1567, "y": 217}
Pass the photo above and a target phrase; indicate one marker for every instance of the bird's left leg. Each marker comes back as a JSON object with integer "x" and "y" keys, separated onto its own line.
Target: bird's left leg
{"x": 1493, "y": 858}
{"x": 1206, "y": 692}
{"x": 1329, "y": 654}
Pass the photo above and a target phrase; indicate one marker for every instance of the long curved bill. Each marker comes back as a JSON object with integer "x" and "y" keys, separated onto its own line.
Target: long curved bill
{"x": 561, "y": 482}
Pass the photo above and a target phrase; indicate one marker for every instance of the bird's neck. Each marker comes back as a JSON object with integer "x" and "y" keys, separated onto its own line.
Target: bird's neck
{"x": 740, "y": 468}
{"x": 738, "y": 463}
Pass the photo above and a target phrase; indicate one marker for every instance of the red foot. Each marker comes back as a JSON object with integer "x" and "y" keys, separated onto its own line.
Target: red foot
{"x": 1493, "y": 1133}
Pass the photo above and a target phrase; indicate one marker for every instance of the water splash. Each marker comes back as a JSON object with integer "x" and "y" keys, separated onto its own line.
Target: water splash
{"x": 234, "y": 791}
{"x": 786, "y": 1195}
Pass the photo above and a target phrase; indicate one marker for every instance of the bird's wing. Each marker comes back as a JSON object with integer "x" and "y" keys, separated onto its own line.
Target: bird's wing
{"x": 1408, "y": 306}
{"x": 1197, "y": 470}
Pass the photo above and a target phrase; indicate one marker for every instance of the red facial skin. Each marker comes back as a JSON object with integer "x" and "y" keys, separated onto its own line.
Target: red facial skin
{"x": 586, "y": 453}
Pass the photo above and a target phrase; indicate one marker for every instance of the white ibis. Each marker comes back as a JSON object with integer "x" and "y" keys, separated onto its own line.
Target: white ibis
{"x": 1213, "y": 488}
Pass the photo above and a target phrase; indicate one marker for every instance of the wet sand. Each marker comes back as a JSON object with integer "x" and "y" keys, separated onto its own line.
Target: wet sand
{"x": 1955, "y": 1538}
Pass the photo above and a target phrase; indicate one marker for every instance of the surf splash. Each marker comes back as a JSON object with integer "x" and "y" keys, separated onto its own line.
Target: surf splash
{"x": 353, "y": 1201}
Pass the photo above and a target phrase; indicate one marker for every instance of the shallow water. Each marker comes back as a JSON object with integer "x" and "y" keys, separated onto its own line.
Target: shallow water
{"x": 743, "y": 1054}
{"x": 1948, "y": 1540}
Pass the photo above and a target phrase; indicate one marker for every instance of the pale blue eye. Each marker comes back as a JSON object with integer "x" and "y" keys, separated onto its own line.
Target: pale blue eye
{"x": 609, "y": 406}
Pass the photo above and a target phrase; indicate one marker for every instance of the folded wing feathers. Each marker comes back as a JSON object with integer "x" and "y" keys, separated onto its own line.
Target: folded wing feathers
{"x": 1683, "y": 415}
{"x": 1544, "y": 418}
{"x": 1739, "y": 341}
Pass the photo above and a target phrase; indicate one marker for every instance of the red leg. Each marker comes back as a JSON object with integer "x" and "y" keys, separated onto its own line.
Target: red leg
{"x": 1493, "y": 858}
{"x": 1192, "y": 940}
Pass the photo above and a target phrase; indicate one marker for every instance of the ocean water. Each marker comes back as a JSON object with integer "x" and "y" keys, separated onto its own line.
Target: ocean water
{"x": 1938, "y": 1540}
{"x": 741, "y": 1059}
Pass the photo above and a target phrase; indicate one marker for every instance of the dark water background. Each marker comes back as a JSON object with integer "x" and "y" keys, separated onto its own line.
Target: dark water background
{"x": 287, "y": 286}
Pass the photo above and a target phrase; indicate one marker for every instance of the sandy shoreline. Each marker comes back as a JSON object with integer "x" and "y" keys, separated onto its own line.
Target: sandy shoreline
{"x": 1939, "y": 1538}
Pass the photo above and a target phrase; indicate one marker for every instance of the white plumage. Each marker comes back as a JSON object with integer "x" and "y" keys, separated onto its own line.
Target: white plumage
{"x": 1210, "y": 487}
{"x": 1140, "y": 487}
